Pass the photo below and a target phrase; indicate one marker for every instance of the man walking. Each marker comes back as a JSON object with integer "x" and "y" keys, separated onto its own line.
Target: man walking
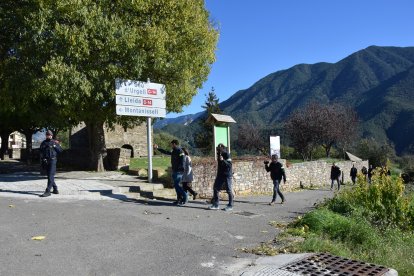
{"x": 370, "y": 173}
{"x": 276, "y": 173}
{"x": 335, "y": 174}
{"x": 223, "y": 178}
{"x": 177, "y": 164}
{"x": 353, "y": 173}
{"x": 49, "y": 150}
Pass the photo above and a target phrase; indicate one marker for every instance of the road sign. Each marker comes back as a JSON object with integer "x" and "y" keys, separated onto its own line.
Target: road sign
{"x": 140, "y": 111}
{"x": 275, "y": 145}
{"x": 140, "y": 89}
{"x": 140, "y": 101}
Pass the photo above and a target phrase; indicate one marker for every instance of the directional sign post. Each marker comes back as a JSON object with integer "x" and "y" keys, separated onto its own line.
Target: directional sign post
{"x": 138, "y": 98}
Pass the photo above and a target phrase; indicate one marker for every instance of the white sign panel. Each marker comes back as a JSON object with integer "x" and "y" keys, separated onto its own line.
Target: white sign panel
{"x": 140, "y": 89}
{"x": 140, "y": 101}
{"x": 140, "y": 111}
{"x": 275, "y": 145}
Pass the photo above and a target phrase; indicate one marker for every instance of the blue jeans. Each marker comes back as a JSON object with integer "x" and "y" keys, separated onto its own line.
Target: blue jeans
{"x": 276, "y": 191}
{"x": 217, "y": 187}
{"x": 51, "y": 171}
{"x": 181, "y": 195}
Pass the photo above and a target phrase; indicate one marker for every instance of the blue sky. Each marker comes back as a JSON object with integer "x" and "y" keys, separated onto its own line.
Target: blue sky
{"x": 263, "y": 36}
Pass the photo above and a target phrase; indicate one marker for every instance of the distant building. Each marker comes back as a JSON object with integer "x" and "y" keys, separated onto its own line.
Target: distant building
{"x": 16, "y": 141}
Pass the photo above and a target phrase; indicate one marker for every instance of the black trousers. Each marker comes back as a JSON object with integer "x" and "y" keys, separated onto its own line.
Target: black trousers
{"x": 51, "y": 171}
{"x": 187, "y": 188}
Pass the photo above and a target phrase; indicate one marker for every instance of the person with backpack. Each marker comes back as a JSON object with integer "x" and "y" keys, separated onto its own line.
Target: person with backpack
{"x": 335, "y": 174}
{"x": 223, "y": 181}
{"x": 49, "y": 150}
{"x": 277, "y": 172}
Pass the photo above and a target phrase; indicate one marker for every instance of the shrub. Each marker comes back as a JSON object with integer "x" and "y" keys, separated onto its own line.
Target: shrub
{"x": 383, "y": 201}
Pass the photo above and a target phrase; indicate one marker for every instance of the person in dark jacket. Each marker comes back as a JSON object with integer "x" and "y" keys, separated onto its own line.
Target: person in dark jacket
{"x": 49, "y": 150}
{"x": 223, "y": 178}
{"x": 335, "y": 174}
{"x": 370, "y": 173}
{"x": 277, "y": 172}
{"x": 364, "y": 172}
{"x": 353, "y": 173}
{"x": 177, "y": 165}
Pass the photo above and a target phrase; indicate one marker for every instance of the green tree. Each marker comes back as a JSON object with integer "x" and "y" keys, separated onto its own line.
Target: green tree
{"x": 204, "y": 138}
{"x": 376, "y": 153}
{"x": 78, "y": 48}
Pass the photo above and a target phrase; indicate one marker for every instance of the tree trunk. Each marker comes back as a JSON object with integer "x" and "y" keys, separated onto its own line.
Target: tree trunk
{"x": 328, "y": 152}
{"x": 29, "y": 145}
{"x": 327, "y": 148}
{"x": 97, "y": 145}
{"x": 4, "y": 135}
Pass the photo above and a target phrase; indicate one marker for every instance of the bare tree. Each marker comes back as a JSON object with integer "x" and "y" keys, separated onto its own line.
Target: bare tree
{"x": 340, "y": 125}
{"x": 324, "y": 125}
{"x": 251, "y": 138}
{"x": 301, "y": 133}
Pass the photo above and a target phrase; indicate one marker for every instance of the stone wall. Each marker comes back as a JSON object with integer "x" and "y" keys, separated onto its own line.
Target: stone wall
{"x": 15, "y": 153}
{"x": 118, "y": 159}
{"x": 250, "y": 176}
{"x": 134, "y": 139}
{"x": 74, "y": 159}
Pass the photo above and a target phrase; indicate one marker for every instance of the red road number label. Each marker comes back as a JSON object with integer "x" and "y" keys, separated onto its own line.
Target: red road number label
{"x": 152, "y": 91}
{"x": 147, "y": 102}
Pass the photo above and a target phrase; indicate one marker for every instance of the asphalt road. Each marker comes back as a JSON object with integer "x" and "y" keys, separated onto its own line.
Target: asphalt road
{"x": 129, "y": 237}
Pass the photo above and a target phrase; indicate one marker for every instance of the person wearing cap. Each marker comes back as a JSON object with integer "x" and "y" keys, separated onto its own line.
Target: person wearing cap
{"x": 276, "y": 173}
{"x": 223, "y": 178}
{"x": 178, "y": 166}
{"x": 49, "y": 150}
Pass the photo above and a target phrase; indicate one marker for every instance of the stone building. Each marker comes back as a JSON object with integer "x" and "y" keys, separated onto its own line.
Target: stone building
{"x": 134, "y": 139}
{"x": 121, "y": 145}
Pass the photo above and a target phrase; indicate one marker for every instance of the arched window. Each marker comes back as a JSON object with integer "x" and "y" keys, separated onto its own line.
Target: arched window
{"x": 130, "y": 148}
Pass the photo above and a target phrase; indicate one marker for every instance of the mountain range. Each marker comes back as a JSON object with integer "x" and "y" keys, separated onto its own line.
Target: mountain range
{"x": 378, "y": 82}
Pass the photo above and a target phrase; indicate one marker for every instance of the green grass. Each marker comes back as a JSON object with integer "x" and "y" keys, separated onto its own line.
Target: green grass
{"x": 371, "y": 223}
{"x": 354, "y": 237}
{"x": 161, "y": 162}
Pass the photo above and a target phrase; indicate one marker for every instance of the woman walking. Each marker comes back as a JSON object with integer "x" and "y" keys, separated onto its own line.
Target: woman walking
{"x": 188, "y": 175}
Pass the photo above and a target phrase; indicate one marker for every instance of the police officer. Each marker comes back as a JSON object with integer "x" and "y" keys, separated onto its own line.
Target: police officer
{"x": 49, "y": 150}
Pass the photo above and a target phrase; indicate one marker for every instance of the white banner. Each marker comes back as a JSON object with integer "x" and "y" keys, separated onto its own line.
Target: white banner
{"x": 275, "y": 145}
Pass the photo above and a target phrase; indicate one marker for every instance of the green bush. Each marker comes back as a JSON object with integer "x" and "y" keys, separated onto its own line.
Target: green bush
{"x": 376, "y": 153}
{"x": 383, "y": 201}
{"x": 370, "y": 222}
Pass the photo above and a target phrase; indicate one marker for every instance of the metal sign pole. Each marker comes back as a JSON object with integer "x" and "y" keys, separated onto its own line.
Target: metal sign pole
{"x": 149, "y": 143}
